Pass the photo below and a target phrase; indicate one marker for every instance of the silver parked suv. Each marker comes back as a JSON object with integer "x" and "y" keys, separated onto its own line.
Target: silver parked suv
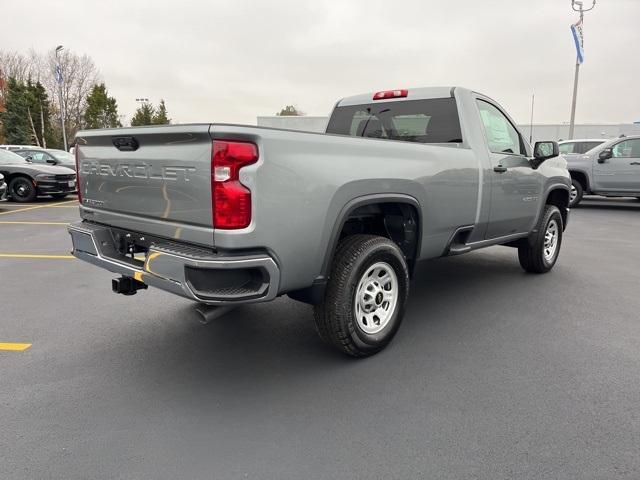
{"x": 612, "y": 169}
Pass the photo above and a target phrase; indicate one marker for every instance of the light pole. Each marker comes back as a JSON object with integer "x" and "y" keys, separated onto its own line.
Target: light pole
{"x": 59, "y": 79}
{"x": 578, "y": 38}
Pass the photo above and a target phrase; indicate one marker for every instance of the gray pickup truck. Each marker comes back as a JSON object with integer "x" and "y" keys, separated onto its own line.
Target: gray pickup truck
{"x": 611, "y": 169}
{"x": 231, "y": 214}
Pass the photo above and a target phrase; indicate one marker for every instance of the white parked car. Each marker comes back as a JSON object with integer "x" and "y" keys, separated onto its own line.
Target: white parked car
{"x": 17, "y": 147}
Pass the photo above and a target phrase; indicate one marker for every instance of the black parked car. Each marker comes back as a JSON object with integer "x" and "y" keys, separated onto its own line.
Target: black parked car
{"x": 27, "y": 180}
{"x": 49, "y": 156}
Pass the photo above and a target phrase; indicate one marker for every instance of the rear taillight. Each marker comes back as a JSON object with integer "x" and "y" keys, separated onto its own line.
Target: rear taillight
{"x": 231, "y": 200}
{"x": 75, "y": 152}
{"x": 390, "y": 94}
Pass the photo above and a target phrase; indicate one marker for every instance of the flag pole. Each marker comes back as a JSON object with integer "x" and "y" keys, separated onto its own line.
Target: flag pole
{"x": 579, "y": 57}
{"x": 533, "y": 96}
{"x": 572, "y": 124}
{"x": 60, "y": 80}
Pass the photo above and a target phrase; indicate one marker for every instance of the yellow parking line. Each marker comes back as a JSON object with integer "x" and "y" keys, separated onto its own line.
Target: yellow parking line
{"x": 29, "y": 255}
{"x": 35, "y": 207}
{"x": 33, "y": 223}
{"x": 16, "y": 347}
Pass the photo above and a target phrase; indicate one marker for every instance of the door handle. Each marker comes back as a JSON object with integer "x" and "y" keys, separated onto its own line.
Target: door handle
{"x": 499, "y": 169}
{"x": 634, "y": 163}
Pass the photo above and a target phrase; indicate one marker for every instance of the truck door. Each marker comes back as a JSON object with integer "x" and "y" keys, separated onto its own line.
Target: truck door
{"x": 516, "y": 187}
{"x": 621, "y": 172}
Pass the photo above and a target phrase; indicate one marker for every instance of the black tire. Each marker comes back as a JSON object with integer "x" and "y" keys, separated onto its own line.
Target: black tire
{"x": 532, "y": 253}
{"x": 22, "y": 189}
{"x": 59, "y": 196}
{"x": 335, "y": 318}
{"x": 579, "y": 193}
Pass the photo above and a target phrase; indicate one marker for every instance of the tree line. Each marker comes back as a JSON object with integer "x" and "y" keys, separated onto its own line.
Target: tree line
{"x": 29, "y": 93}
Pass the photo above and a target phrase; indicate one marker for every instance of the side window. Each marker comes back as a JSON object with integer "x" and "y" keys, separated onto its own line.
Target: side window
{"x": 37, "y": 157}
{"x": 627, "y": 149}
{"x": 586, "y": 146}
{"x": 501, "y": 134}
{"x": 567, "y": 147}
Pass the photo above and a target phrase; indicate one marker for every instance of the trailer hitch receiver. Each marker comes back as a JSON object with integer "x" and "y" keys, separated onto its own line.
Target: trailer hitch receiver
{"x": 127, "y": 285}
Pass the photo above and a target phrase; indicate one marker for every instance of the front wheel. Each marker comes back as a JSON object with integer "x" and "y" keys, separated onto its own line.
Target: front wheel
{"x": 22, "y": 190}
{"x": 364, "y": 300}
{"x": 539, "y": 253}
{"x": 576, "y": 193}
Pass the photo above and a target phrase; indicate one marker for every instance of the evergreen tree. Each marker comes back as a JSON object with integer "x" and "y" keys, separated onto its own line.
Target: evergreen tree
{"x": 160, "y": 117}
{"x": 15, "y": 119}
{"x": 102, "y": 110}
{"x": 144, "y": 115}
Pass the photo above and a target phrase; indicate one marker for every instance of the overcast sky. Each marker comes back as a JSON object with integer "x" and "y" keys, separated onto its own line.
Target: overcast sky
{"x": 233, "y": 60}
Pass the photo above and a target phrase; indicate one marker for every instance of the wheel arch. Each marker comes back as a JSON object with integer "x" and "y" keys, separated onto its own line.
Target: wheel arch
{"x": 367, "y": 201}
{"x": 10, "y": 176}
{"x": 383, "y": 201}
{"x": 581, "y": 177}
{"x": 558, "y": 195}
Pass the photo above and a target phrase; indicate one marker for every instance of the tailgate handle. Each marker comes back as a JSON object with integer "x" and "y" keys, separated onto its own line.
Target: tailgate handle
{"x": 125, "y": 144}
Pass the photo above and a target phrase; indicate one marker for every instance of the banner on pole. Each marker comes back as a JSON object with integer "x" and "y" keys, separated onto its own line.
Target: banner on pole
{"x": 59, "y": 78}
{"x": 576, "y": 31}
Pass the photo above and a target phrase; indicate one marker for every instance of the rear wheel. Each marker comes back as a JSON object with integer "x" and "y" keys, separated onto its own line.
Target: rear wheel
{"x": 576, "y": 193}
{"x": 364, "y": 301}
{"x": 22, "y": 189}
{"x": 539, "y": 253}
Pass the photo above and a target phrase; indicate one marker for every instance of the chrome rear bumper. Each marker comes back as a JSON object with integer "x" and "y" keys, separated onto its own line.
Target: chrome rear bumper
{"x": 191, "y": 272}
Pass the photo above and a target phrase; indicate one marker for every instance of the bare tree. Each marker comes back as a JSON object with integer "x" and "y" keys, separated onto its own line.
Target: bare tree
{"x": 12, "y": 65}
{"x": 79, "y": 75}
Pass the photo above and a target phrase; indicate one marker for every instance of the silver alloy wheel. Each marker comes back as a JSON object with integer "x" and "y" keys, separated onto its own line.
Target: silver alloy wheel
{"x": 550, "y": 241}
{"x": 376, "y": 297}
{"x": 573, "y": 194}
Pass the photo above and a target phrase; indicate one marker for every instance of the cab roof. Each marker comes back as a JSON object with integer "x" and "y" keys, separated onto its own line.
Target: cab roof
{"x": 421, "y": 93}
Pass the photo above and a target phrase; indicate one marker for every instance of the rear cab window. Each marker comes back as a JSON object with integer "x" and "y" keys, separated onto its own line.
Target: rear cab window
{"x": 423, "y": 121}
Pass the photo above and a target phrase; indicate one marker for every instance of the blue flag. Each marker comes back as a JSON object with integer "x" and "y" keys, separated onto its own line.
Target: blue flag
{"x": 59, "y": 75}
{"x": 576, "y": 30}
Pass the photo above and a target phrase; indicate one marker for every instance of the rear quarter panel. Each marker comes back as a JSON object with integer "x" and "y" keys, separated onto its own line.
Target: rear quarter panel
{"x": 303, "y": 181}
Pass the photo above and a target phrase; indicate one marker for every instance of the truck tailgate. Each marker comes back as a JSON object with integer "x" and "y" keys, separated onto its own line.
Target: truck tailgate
{"x": 155, "y": 180}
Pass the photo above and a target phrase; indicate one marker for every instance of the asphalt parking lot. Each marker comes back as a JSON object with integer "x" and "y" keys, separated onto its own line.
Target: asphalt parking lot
{"x": 495, "y": 374}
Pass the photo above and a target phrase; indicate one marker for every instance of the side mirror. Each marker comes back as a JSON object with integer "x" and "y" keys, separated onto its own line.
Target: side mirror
{"x": 543, "y": 151}
{"x": 605, "y": 154}
{"x": 28, "y": 158}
